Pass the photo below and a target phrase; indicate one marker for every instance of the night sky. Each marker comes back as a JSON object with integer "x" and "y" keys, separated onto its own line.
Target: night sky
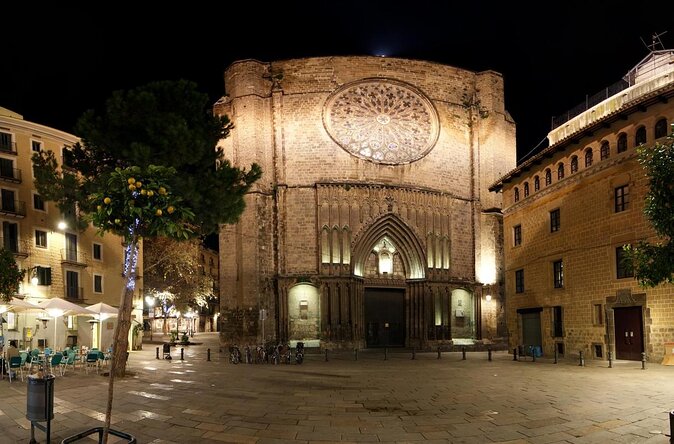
{"x": 58, "y": 62}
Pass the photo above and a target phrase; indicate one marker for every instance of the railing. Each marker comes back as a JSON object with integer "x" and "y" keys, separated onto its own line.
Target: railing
{"x": 11, "y": 175}
{"x": 73, "y": 256}
{"x": 20, "y": 247}
{"x": 589, "y": 102}
{"x": 8, "y": 147}
{"x": 15, "y": 207}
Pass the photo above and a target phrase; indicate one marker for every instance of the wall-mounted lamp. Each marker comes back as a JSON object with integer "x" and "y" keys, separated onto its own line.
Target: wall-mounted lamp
{"x": 488, "y": 298}
{"x": 62, "y": 225}
{"x": 33, "y": 276}
{"x": 44, "y": 320}
{"x": 92, "y": 323}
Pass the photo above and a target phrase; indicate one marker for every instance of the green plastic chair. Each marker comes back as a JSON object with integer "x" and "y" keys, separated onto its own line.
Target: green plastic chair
{"x": 15, "y": 363}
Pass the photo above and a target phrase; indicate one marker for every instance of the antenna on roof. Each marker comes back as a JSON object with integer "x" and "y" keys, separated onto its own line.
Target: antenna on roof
{"x": 655, "y": 42}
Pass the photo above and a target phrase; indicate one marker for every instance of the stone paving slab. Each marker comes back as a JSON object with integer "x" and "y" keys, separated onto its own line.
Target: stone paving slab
{"x": 400, "y": 400}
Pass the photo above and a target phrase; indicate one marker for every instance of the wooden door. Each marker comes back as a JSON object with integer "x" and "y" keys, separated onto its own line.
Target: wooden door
{"x": 629, "y": 333}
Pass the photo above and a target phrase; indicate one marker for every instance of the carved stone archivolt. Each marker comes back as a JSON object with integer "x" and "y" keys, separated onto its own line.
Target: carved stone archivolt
{"x": 382, "y": 120}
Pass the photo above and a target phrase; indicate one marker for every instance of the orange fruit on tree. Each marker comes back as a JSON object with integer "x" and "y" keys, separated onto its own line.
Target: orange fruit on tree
{"x": 170, "y": 209}
{"x": 107, "y": 201}
{"x": 158, "y": 212}
{"x": 131, "y": 180}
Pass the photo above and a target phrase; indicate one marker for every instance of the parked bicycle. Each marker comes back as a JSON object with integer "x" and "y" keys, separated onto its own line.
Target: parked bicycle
{"x": 299, "y": 352}
{"x": 234, "y": 354}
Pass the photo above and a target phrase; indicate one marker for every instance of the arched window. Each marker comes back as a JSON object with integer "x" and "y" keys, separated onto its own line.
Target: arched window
{"x": 537, "y": 183}
{"x": 574, "y": 164}
{"x": 336, "y": 251}
{"x": 605, "y": 151}
{"x": 640, "y": 136}
{"x": 588, "y": 157}
{"x": 548, "y": 177}
{"x": 517, "y": 194}
{"x": 661, "y": 128}
{"x": 622, "y": 142}
{"x": 325, "y": 245}
{"x": 526, "y": 189}
{"x": 560, "y": 171}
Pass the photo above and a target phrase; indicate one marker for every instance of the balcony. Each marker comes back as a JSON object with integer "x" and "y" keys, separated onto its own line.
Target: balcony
{"x": 15, "y": 208}
{"x": 74, "y": 257}
{"x": 19, "y": 247}
{"x": 10, "y": 175}
{"x": 8, "y": 147}
{"x": 74, "y": 294}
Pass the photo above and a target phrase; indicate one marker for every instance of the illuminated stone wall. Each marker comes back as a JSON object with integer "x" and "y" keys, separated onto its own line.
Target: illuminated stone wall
{"x": 347, "y": 143}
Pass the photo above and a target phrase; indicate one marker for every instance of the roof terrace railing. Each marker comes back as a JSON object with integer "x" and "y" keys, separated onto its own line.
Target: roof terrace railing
{"x": 589, "y": 102}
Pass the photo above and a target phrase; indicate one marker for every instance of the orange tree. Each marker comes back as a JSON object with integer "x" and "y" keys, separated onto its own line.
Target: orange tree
{"x": 148, "y": 165}
{"x": 10, "y": 276}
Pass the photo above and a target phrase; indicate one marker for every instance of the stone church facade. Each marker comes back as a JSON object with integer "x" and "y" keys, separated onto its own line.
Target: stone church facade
{"x": 373, "y": 224}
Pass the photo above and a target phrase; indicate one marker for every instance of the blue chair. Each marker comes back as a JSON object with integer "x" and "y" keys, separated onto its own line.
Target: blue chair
{"x": 55, "y": 362}
{"x": 68, "y": 361}
{"x": 91, "y": 361}
{"x": 15, "y": 363}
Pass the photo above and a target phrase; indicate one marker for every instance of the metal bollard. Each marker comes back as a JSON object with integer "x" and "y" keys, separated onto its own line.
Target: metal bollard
{"x": 208, "y": 354}
{"x": 326, "y": 355}
{"x": 643, "y": 361}
{"x": 515, "y": 354}
{"x": 385, "y": 353}
{"x": 182, "y": 354}
{"x": 533, "y": 355}
{"x": 157, "y": 352}
{"x": 355, "y": 354}
{"x": 581, "y": 358}
{"x": 610, "y": 360}
{"x": 439, "y": 355}
{"x": 414, "y": 354}
{"x": 556, "y": 353}
{"x": 671, "y": 426}
{"x": 463, "y": 353}
{"x": 489, "y": 353}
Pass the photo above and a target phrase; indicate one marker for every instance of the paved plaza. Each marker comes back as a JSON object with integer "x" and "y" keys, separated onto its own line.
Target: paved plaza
{"x": 445, "y": 400}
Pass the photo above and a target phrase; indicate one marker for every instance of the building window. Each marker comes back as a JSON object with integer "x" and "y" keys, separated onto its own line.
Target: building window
{"x": 560, "y": 171}
{"x": 554, "y": 220}
{"x": 622, "y": 264}
{"x": 36, "y": 146}
{"x": 622, "y": 142}
{"x": 40, "y": 238}
{"x": 98, "y": 283}
{"x": 6, "y": 142}
{"x": 588, "y": 157}
{"x": 72, "y": 285}
{"x": 519, "y": 281}
{"x": 43, "y": 275}
{"x": 517, "y": 235}
{"x": 574, "y": 164}
{"x": 622, "y": 198}
{"x": 526, "y": 189}
{"x": 97, "y": 251}
{"x": 598, "y": 314}
{"x": 38, "y": 202}
{"x": 557, "y": 322}
{"x": 537, "y": 183}
{"x": 640, "y": 136}
{"x": 517, "y": 194}
{"x": 558, "y": 274}
{"x": 661, "y": 128}
{"x": 67, "y": 157}
{"x": 605, "y": 150}
{"x": 548, "y": 177}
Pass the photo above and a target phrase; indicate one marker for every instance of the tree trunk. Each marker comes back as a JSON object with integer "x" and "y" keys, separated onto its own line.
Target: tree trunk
{"x": 121, "y": 341}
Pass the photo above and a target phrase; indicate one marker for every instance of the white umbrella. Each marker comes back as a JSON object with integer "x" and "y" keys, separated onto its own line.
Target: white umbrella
{"x": 17, "y": 305}
{"x": 103, "y": 311}
{"x": 57, "y": 307}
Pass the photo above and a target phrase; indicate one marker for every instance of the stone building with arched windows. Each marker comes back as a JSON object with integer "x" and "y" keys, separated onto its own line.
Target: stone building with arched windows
{"x": 372, "y": 224}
